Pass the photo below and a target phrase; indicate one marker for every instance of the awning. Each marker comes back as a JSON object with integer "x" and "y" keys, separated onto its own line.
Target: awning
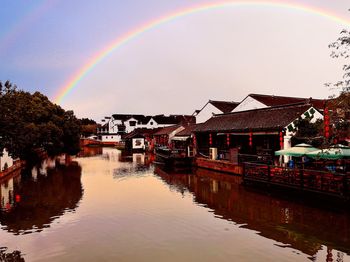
{"x": 333, "y": 152}
{"x": 298, "y": 150}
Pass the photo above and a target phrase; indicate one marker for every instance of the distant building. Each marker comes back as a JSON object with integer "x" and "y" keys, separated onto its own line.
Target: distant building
{"x": 164, "y": 136}
{"x": 114, "y": 128}
{"x": 213, "y": 107}
{"x": 256, "y": 101}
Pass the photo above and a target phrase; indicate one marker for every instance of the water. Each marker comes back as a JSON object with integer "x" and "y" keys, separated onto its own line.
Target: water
{"x": 104, "y": 206}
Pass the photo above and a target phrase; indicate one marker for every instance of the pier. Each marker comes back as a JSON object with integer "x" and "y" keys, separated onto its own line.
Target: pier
{"x": 314, "y": 181}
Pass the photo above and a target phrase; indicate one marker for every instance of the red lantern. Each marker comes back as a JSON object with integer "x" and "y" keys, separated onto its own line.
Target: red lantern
{"x": 210, "y": 140}
{"x": 326, "y": 123}
{"x": 250, "y": 139}
{"x": 281, "y": 140}
{"x": 228, "y": 139}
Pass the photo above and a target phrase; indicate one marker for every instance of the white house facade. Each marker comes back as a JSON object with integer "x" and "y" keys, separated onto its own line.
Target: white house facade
{"x": 213, "y": 107}
{"x": 115, "y": 127}
{"x": 6, "y": 160}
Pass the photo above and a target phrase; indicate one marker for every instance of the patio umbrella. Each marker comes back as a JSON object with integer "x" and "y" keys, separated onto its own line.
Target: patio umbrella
{"x": 297, "y": 150}
{"x": 333, "y": 152}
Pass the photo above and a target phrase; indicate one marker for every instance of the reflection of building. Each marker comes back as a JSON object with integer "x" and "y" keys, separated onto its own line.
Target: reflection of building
{"x": 6, "y": 161}
{"x": 289, "y": 223}
{"x": 38, "y": 202}
{"x": 6, "y": 194}
{"x": 138, "y": 159}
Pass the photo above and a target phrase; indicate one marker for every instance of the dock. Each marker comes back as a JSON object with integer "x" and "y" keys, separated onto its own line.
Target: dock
{"x": 328, "y": 183}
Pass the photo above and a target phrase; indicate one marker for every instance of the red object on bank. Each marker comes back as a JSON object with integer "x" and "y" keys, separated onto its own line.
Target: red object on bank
{"x": 281, "y": 140}
{"x": 18, "y": 198}
{"x": 326, "y": 123}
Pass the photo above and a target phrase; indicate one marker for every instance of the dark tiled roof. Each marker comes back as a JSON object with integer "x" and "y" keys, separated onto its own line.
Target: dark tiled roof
{"x": 271, "y": 118}
{"x": 224, "y": 106}
{"x": 271, "y": 100}
{"x": 160, "y": 119}
{"x": 174, "y": 119}
{"x": 166, "y": 130}
{"x": 124, "y": 117}
{"x": 141, "y": 132}
{"x": 188, "y": 130}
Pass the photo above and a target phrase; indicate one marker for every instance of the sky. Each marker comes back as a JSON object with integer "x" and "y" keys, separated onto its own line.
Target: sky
{"x": 175, "y": 67}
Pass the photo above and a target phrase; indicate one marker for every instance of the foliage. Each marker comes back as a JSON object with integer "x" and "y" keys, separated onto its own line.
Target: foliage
{"x": 340, "y": 105}
{"x": 87, "y": 121}
{"x": 341, "y": 48}
{"x": 88, "y": 127}
{"x": 29, "y": 122}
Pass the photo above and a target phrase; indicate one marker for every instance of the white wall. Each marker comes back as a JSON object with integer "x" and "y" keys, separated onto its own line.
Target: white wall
{"x": 110, "y": 138}
{"x": 206, "y": 113}
{"x": 5, "y": 159}
{"x": 138, "y": 143}
{"x": 316, "y": 115}
{"x": 249, "y": 103}
{"x": 172, "y": 134}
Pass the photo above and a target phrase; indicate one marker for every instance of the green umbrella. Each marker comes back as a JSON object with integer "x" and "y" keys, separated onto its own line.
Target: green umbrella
{"x": 297, "y": 150}
{"x": 333, "y": 152}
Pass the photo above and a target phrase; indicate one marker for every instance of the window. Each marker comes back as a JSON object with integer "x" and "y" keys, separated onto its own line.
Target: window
{"x": 151, "y": 123}
{"x": 132, "y": 123}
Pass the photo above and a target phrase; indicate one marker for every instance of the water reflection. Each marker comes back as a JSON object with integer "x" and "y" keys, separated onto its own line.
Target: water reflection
{"x": 89, "y": 151}
{"x": 14, "y": 256}
{"x": 304, "y": 228}
{"x": 139, "y": 165}
{"x": 31, "y": 201}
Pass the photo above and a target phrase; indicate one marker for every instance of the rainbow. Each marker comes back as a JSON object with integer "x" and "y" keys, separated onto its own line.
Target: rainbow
{"x": 124, "y": 39}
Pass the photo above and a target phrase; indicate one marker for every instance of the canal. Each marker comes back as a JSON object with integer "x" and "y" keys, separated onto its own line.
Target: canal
{"x": 105, "y": 206}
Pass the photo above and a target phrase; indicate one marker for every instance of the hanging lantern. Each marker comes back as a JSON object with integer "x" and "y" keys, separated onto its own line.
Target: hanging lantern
{"x": 326, "y": 123}
{"x": 251, "y": 139}
{"x": 281, "y": 140}
{"x": 210, "y": 140}
{"x": 228, "y": 139}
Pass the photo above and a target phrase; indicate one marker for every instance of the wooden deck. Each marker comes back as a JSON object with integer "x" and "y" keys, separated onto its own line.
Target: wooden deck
{"x": 316, "y": 181}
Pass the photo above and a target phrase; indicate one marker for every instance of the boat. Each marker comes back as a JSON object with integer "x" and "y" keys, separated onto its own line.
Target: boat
{"x": 173, "y": 159}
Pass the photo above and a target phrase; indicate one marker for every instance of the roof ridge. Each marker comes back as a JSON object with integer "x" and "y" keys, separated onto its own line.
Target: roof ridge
{"x": 293, "y": 97}
{"x": 268, "y": 108}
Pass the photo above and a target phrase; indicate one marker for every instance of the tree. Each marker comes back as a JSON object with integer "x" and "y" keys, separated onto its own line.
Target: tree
{"x": 29, "y": 122}
{"x": 341, "y": 49}
{"x": 340, "y": 105}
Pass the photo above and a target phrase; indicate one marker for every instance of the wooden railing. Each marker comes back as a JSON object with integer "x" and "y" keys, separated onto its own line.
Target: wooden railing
{"x": 304, "y": 179}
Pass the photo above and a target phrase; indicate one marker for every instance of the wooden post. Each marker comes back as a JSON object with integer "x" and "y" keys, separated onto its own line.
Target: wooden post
{"x": 269, "y": 173}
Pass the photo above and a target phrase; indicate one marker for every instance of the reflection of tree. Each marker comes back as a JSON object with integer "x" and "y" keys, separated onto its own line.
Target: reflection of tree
{"x": 89, "y": 151}
{"x": 292, "y": 224}
{"x": 14, "y": 256}
{"x": 44, "y": 200}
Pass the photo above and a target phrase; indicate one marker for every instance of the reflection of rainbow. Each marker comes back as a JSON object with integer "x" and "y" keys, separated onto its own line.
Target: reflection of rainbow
{"x": 98, "y": 57}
